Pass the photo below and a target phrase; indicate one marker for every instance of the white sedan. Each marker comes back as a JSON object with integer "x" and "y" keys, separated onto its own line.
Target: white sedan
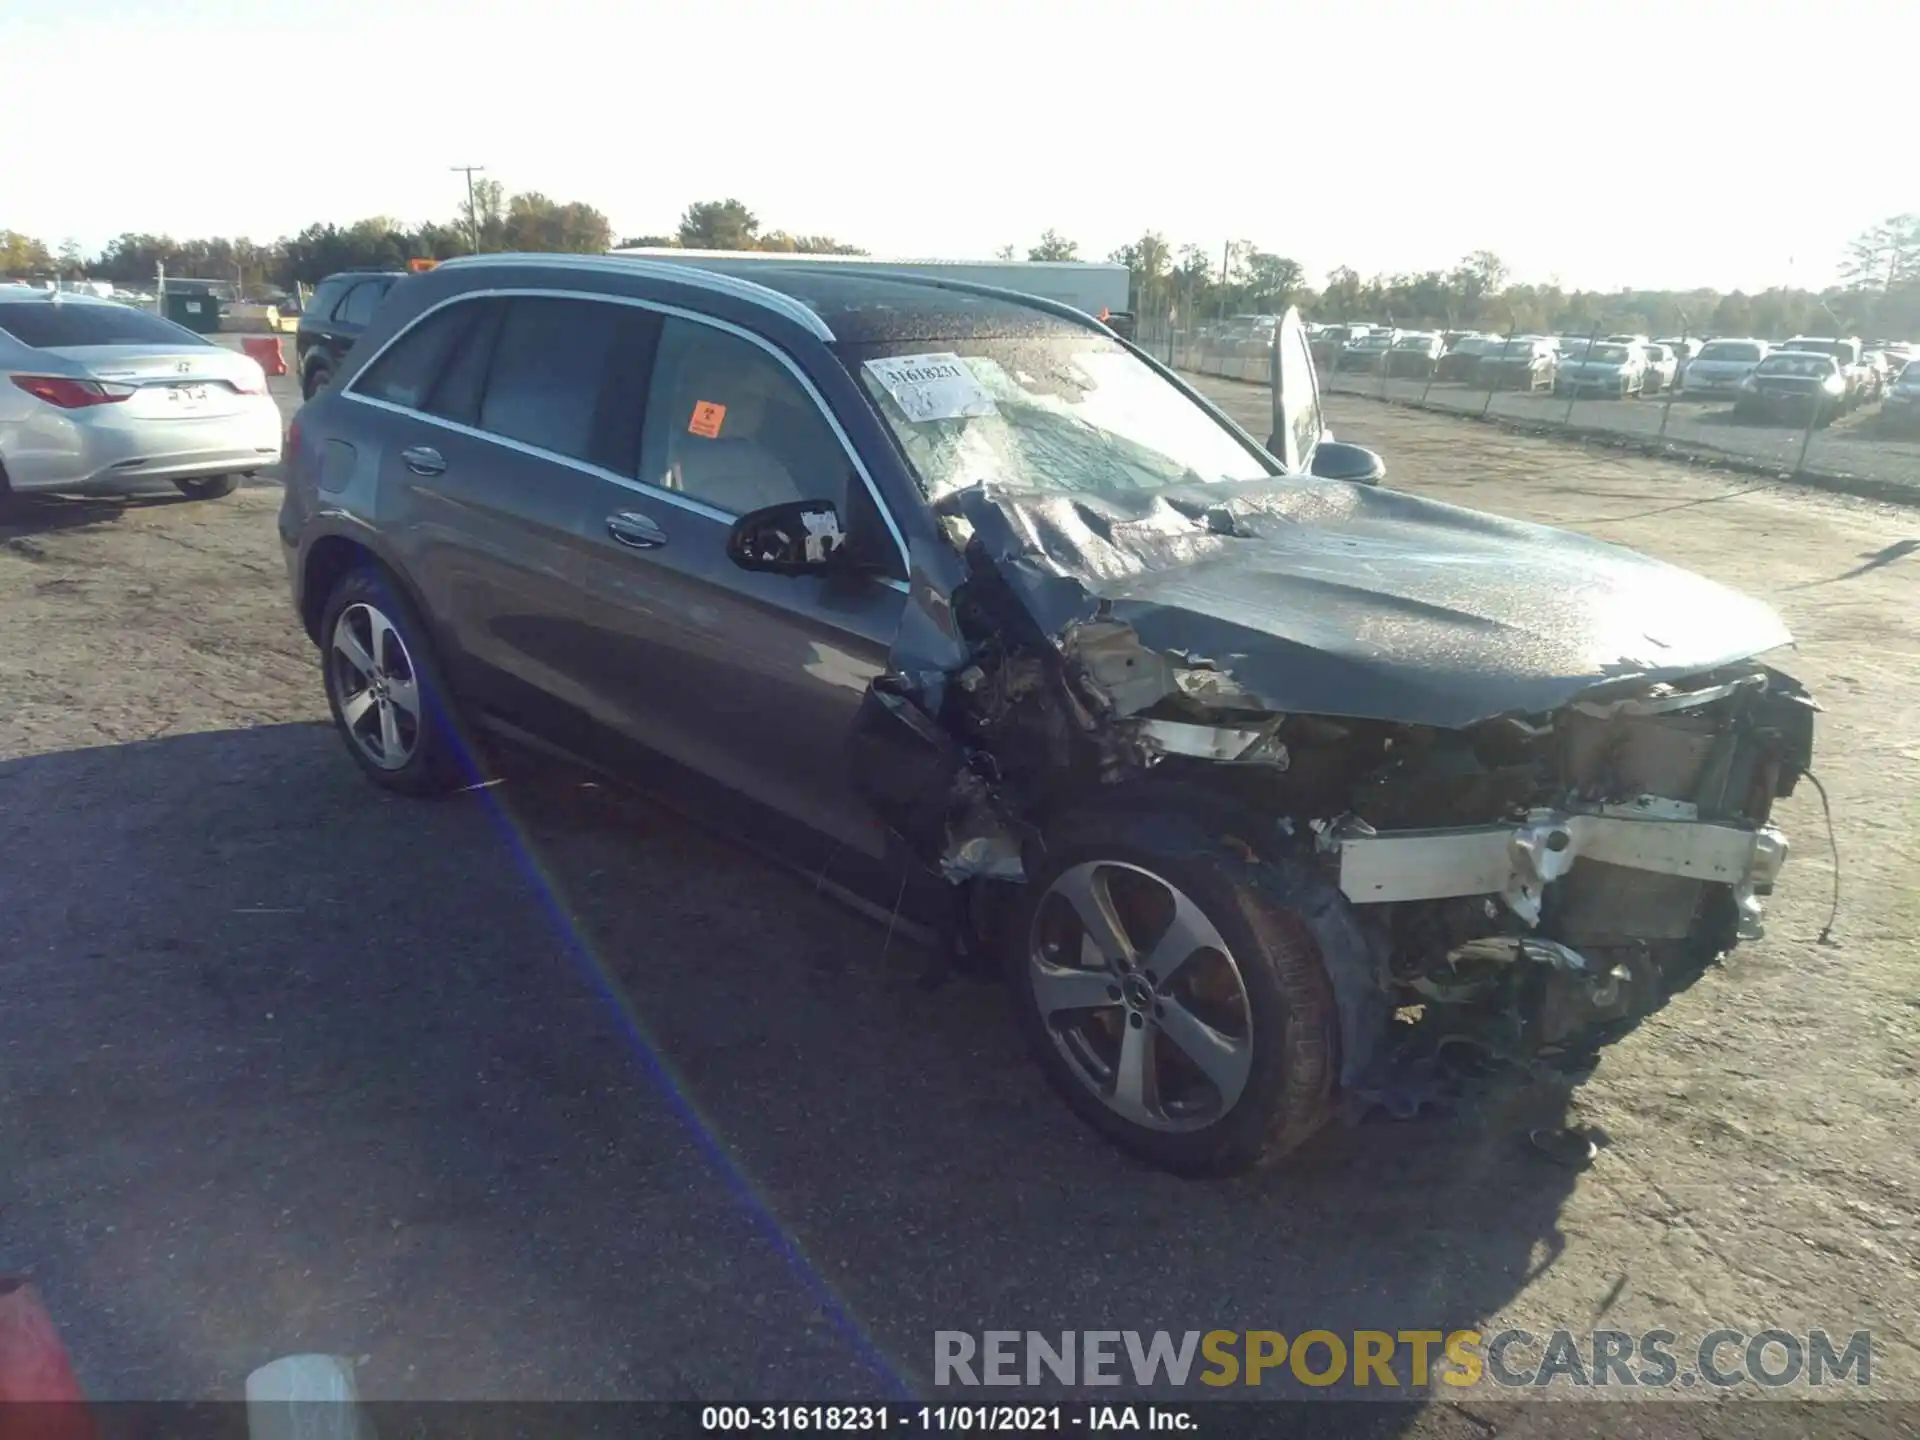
{"x": 97, "y": 397}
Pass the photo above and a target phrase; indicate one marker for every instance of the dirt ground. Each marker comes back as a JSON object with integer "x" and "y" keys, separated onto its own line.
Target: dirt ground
{"x": 542, "y": 1092}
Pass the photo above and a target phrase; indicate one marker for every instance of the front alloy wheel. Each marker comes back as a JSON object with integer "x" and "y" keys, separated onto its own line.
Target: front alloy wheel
{"x": 1142, "y": 997}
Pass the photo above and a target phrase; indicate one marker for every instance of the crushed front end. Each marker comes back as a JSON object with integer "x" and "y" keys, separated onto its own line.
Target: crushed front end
{"x": 1545, "y": 882}
{"x": 1497, "y": 878}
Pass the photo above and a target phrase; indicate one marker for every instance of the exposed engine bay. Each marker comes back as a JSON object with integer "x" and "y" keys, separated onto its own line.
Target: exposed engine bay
{"x": 1521, "y": 883}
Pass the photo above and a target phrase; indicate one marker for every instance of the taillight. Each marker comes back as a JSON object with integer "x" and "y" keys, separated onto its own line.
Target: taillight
{"x": 293, "y": 435}
{"x": 70, "y": 394}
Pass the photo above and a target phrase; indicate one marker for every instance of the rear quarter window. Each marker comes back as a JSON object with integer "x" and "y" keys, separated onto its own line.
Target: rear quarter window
{"x": 360, "y": 303}
{"x": 326, "y": 295}
{"x": 44, "y": 324}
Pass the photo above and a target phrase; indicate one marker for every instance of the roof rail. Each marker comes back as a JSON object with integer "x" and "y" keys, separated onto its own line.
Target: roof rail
{"x": 939, "y": 282}
{"x": 715, "y": 280}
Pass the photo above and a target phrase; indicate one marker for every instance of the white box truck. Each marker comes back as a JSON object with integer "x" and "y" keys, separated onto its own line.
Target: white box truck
{"x": 1096, "y": 287}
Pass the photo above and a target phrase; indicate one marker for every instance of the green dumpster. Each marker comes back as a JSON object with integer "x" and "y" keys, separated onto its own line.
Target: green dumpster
{"x": 198, "y": 310}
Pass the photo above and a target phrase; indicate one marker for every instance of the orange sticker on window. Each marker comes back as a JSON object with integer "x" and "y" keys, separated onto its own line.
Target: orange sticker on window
{"x": 707, "y": 417}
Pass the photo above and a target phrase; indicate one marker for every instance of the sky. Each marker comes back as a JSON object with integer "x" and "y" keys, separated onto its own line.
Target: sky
{"x": 1662, "y": 145}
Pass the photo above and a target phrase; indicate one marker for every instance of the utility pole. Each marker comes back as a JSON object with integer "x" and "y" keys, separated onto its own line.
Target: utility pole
{"x": 473, "y": 218}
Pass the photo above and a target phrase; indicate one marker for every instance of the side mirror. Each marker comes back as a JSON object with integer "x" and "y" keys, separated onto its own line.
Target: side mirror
{"x": 798, "y": 537}
{"x": 1336, "y": 460}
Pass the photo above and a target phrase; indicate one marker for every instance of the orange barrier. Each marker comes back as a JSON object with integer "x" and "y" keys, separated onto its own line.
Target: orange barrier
{"x": 266, "y": 349}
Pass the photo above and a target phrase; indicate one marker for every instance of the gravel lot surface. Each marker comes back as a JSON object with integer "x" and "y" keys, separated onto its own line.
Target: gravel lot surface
{"x": 544, "y": 1092}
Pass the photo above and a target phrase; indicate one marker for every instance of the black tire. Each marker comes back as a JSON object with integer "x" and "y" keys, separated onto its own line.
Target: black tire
{"x": 439, "y": 761}
{"x": 1289, "y": 1012}
{"x": 208, "y": 487}
{"x": 317, "y": 378}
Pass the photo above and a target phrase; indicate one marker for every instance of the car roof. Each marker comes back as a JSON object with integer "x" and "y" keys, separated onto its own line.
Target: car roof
{"x": 55, "y": 297}
{"x": 836, "y": 304}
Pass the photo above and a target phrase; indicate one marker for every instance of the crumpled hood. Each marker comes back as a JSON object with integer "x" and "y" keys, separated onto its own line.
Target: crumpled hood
{"x": 1327, "y": 598}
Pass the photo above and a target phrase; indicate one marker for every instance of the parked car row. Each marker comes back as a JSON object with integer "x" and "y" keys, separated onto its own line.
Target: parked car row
{"x": 1764, "y": 379}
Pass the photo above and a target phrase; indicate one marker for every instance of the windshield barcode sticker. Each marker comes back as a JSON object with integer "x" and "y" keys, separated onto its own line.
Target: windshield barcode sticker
{"x": 932, "y": 387}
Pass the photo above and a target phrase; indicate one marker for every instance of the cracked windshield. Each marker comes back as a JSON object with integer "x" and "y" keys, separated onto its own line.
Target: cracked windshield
{"x": 1062, "y": 415}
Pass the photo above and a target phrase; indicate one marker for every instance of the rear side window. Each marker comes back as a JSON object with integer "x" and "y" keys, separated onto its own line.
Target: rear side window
{"x": 570, "y": 376}
{"x": 44, "y": 323}
{"x": 357, "y": 307}
{"x": 428, "y": 354}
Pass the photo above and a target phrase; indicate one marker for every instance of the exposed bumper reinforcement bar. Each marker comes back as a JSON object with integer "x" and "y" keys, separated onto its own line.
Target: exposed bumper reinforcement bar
{"x": 1517, "y": 862}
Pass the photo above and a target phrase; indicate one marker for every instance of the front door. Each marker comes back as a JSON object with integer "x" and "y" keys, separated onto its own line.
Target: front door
{"x": 751, "y": 680}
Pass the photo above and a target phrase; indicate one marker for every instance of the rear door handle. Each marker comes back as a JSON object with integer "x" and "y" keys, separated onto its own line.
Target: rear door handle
{"x": 633, "y": 529}
{"x": 424, "y": 460}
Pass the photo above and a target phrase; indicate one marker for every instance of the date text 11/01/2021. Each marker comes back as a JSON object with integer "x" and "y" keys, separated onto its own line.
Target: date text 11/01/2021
{"x": 997, "y": 1419}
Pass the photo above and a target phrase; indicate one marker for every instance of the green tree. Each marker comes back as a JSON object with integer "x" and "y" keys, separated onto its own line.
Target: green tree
{"x": 1054, "y": 246}
{"x": 1342, "y": 297}
{"x": 1005, "y": 252}
{"x": 649, "y": 242}
{"x": 1272, "y": 282}
{"x": 485, "y": 218}
{"x": 1885, "y": 256}
{"x": 805, "y": 244}
{"x": 1148, "y": 260}
{"x": 719, "y": 225}
{"x": 533, "y": 222}
{"x": 22, "y": 254}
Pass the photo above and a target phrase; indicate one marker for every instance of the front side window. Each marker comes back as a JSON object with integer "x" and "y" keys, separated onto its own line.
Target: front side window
{"x": 729, "y": 425}
{"x": 1068, "y": 412}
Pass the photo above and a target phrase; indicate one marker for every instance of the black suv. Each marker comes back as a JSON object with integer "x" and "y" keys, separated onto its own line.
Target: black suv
{"x": 341, "y": 307}
{"x": 1221, "y": 753}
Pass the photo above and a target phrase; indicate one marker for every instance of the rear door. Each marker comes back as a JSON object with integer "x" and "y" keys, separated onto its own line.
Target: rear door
{"x": 514, "y": 415}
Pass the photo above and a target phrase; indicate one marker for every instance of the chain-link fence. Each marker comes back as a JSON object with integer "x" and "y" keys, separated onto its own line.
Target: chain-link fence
{"x": 1544, "y": 388}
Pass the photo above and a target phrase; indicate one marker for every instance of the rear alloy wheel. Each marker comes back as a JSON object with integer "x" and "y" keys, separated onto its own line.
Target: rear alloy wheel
{"x": 209, "y": 487}
{"x": 384, "y": 691}
{"x": 1176, "y": 1011}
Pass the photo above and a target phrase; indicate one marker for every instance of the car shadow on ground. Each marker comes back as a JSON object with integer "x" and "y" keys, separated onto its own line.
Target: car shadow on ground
{"x": 25, "y": 515}
{"x": 542, "y": 1091}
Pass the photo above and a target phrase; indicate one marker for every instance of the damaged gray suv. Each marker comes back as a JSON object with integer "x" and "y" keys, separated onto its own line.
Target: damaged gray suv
{"x": 1262, "y": 783}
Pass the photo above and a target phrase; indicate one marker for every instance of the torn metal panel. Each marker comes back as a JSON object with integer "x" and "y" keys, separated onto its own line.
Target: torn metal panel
{"x": 1225, "y": 743}
{"x": 1665, "y": 699}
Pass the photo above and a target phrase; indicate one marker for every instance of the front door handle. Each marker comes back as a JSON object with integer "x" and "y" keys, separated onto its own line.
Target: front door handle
{"x": 424, "y": 460}
{"x": 633, "y": 529}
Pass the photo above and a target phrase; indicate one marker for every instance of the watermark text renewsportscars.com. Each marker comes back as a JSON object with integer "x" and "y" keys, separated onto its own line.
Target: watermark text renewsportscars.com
{"x": 1382, "y": 1360}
